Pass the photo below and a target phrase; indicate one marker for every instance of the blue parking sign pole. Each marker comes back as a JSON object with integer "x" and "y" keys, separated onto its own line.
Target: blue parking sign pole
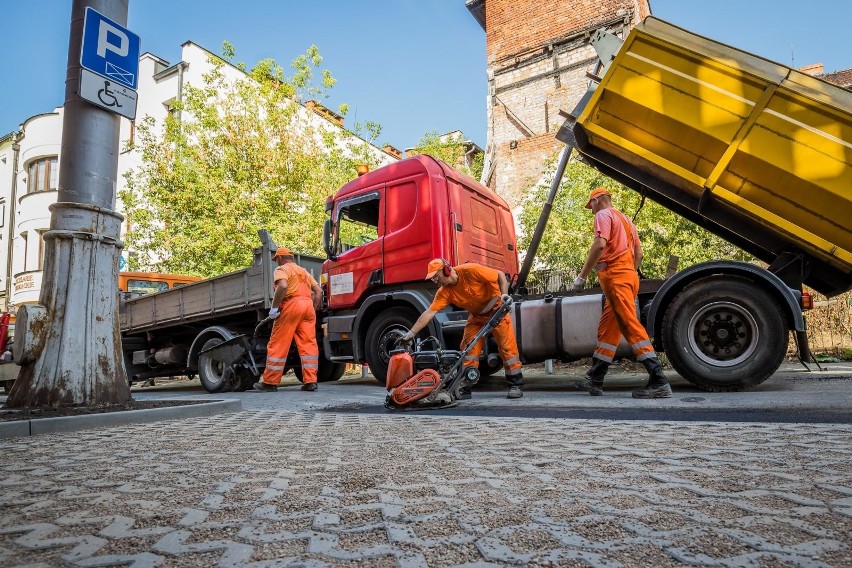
{"x": 68, "y": 345}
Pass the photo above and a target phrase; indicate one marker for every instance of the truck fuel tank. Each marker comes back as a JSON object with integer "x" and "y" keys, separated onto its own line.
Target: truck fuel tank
{"x": 560, "y": 327}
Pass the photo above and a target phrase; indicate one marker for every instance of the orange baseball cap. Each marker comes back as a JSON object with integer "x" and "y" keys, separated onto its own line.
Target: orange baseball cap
{"x": 282, "y": 251}
{"x": 597, "y": 192}
{"x": 433, "y": 268}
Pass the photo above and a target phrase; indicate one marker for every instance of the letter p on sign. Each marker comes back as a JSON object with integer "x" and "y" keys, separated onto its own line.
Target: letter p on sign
{"x": 104, "y": 44}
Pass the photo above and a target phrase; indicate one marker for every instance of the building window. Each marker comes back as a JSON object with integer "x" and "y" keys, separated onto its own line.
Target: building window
{"x": 42, "y": 175}
{"x": 41, "y": 233}
{"x": 26, "y": 247}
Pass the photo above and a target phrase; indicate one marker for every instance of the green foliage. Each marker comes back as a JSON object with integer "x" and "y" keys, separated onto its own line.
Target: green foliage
{"x": 451, "y": 150}
{"x": 566, "y": 241}
{"x": 232, "y": 158}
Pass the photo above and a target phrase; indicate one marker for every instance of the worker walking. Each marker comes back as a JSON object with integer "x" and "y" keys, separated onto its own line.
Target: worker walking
{"x": 295, "y": 301}
{"x": 478, "y": 290}
{"x": 616, "y": 254}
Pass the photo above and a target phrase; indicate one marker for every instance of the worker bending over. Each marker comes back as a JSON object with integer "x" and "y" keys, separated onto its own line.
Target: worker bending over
{"x": 616, "y": 254}
{"x": 295, "y": 301}
{"x": 477, "y": 289}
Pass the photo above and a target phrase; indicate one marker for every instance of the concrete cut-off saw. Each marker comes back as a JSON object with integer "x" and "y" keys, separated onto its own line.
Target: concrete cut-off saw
{"x": 420, "y": 379}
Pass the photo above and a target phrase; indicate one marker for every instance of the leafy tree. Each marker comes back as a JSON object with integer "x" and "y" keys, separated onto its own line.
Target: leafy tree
{"x": 451, "y": 148}
{"x": 565, "y": 243}
{"x": 234, "y": 157}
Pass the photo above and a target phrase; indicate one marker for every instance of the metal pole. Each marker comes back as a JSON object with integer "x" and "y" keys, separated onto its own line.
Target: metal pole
{"x": 69, "y": 346}
{"x": 545, "y": 215}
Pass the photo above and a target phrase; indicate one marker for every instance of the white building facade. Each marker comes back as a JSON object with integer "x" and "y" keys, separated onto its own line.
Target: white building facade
{"x": 30, "y": 157}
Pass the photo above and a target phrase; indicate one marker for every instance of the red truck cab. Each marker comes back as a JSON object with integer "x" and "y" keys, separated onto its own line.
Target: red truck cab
{"x": 385, "y": 227}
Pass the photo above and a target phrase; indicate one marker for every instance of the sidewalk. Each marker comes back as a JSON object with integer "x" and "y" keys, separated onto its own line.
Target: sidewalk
{"x": 289, "y": 481}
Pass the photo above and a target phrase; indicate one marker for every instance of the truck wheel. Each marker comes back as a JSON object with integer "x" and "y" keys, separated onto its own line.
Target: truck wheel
{"x": 724, "y": 335}
{"x": 215, "y": 377}
{"x": 327, "y": 372}
{"x": 389, "y": 326}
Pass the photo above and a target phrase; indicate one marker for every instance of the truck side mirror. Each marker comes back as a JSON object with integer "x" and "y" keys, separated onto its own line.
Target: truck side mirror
{"x": 327, "y": 230}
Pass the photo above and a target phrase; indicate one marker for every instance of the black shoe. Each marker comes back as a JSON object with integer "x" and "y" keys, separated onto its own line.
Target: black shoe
{"x": 309, "y": 387}
{"x": 465, "y": 393}
{"x": 658, "y": 390}
{"x": 590, "y": 387}
{"x": 595, "y": 389}
{"x": 263, "y": 387}
{"x": 515, "y": 392}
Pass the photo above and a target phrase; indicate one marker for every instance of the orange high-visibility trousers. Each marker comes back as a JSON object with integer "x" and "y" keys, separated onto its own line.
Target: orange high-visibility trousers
{"x": 620, "y": 283}
{"x": 297, "y": 320}
{"x": 507, "y": 345}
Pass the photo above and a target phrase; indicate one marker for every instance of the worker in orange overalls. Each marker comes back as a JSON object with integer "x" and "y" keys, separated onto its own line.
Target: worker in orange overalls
{"x": 477, "y": 289}
{"x": 616, "y": 254}
{"x": 295, "y": 301}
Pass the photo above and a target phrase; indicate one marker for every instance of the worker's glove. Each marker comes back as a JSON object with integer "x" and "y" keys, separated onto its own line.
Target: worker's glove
{"x": 578, "y": 283}
{"x": 506, "y": 299}
{"x": 273, "y": 313}
{"x": 407, "y": 338}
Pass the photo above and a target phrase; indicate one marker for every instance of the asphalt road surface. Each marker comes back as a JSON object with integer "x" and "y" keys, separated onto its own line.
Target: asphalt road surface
{"x": 792, "y": 395}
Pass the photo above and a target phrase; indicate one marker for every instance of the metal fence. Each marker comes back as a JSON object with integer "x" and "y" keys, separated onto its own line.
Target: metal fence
{"x": 830, "y": 325}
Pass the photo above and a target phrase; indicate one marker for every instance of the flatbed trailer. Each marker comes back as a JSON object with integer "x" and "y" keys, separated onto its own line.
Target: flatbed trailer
{"x": 164, "y": 333}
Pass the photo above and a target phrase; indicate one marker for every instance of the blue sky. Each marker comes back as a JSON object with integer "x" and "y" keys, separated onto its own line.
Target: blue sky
{"x": 411, "y": 65}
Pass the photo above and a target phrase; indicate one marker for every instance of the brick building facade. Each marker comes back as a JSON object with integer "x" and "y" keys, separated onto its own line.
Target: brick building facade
{"x": 538, "y": 54}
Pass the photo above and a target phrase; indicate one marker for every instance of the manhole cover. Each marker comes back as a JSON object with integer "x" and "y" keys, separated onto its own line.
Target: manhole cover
{"x": 693, "y": 399}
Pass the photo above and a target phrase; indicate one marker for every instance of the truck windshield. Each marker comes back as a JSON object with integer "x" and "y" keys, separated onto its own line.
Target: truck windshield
{"x": 146, "y": 286}
{"x": 357, "y": 224}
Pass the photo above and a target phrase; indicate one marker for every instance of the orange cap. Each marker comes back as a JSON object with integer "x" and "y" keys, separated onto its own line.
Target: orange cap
{"x": 597, "y": 192}
{"x": 282, "y": 251}
{"x": 433, "y": 268}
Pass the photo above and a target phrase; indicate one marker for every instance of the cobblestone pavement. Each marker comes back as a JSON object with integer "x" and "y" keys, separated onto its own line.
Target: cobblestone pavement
{"x": 272, "y": 487}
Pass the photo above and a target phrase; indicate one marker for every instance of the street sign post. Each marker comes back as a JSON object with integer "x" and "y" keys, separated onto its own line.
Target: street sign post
{"x": 107, "y": 94}
{"x": 110, "y": 49}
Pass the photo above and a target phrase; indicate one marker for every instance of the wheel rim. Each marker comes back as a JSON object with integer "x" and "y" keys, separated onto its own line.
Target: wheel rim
{"x": 387, "y": 342}
{"x": 723, "y": 334}
{"x": 209, "y": 368}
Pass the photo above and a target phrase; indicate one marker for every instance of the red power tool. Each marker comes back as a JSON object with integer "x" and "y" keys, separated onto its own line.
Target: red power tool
{"x": 423, "y": 380}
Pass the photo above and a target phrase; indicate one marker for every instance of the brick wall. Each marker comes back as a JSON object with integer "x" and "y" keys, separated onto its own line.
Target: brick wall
{"x": 538, "y": 56}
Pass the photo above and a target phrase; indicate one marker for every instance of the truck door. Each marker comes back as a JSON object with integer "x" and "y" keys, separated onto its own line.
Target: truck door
{"x": 480, "y": 232}
{"x": 407, "y": 237}
{"x": 358, "y": 247}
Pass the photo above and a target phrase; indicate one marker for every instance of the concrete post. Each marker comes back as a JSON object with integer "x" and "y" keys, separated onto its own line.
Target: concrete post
{"x": 69, "y": 346}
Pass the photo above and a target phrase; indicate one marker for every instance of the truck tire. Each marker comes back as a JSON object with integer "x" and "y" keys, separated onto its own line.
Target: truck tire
{"x": 724, "y": 335}
{"x": 388, "y": 326}
{"x": 215, "y": 377}
{"x": 328, "y": 371}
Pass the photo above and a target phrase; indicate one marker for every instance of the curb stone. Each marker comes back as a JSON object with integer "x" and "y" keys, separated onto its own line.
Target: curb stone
{"x": 36, "y": 426}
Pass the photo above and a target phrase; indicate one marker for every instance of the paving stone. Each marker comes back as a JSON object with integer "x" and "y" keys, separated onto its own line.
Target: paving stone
{"x": 337, "y": 489}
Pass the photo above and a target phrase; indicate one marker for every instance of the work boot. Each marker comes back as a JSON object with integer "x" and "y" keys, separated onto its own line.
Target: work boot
{"x": 309, "y": 387}
{"x": 596, "y": 374}
{"x": 658, "y": 385}
{"x": 264, "y": 387}
{"x": 515, "y": 392}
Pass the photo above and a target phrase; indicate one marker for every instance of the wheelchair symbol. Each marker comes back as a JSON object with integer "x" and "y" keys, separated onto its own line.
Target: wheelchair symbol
{"x": 106, "y": 92}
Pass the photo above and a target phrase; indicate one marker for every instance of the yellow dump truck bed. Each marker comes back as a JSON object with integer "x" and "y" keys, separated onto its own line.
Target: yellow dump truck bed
{"x": 755, "y": 151}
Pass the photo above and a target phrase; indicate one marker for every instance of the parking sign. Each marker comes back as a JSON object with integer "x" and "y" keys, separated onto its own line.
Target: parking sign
{"x": 110, "y": 49}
